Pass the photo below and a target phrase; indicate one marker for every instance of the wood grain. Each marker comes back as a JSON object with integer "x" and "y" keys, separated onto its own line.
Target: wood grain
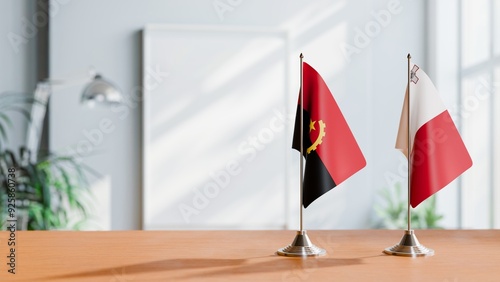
{"x": 353, "y": 255}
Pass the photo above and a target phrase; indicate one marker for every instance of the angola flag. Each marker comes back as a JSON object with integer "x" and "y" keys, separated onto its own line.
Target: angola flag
{"x": 331, "y": 152}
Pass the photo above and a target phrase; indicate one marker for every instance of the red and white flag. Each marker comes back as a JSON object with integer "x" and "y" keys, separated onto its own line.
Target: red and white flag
{"x": 438, "y": 154}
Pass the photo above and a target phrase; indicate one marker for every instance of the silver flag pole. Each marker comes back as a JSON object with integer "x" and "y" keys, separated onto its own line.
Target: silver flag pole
{"x": 409, "y": 245}
{"x": 301, "y": 245}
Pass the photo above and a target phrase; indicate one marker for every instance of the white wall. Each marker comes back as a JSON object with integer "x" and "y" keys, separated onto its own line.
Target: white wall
{"x": 368, "y": 87}
{"x": 17, "y": 57}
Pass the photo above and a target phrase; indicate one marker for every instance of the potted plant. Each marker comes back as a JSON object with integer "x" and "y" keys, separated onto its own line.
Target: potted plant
{"x": 393, "y": 213}
{"x": 50, "y": 193}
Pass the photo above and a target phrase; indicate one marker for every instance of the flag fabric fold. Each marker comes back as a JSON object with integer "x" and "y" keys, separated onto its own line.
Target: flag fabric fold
{"x": 437, "y": 155}
{"x": 331, "y": 152}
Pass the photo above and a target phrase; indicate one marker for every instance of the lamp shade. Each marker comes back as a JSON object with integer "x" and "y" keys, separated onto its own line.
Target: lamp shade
{"x": 101, "y": 90}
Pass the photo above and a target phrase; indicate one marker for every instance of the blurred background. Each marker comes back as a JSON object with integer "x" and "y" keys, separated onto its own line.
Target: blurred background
{"x": 202, "y": 136}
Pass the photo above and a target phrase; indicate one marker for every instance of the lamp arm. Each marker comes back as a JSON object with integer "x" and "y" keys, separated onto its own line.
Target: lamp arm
{"x": 42, "y": 94}
{"x": 58, "y": 84}
{"x": 38, "y": 111}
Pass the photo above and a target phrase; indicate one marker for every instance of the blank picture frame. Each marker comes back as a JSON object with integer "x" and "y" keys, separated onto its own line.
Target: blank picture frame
{"x": 217, "y": 118}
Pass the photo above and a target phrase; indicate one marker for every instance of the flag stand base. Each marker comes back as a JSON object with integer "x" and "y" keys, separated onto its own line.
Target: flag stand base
{"x": 409, "y": 247}
{"x": 301, "y": 247}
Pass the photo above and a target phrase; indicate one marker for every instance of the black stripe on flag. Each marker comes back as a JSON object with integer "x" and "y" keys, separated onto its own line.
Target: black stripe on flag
{"x": 317, "y": 179}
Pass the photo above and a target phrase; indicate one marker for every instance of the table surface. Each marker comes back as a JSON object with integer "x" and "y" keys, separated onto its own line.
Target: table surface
{"x": 352, "y": 255}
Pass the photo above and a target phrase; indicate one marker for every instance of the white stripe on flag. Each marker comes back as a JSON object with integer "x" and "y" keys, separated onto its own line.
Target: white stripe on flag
{"x": 425, "y": 104}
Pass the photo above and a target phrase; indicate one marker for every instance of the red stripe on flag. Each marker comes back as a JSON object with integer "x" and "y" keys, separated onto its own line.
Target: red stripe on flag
{"x": 438, "y": 157}
{"x": 339, "y": 150}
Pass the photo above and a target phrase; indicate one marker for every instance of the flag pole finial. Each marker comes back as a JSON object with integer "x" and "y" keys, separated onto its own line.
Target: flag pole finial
{"x": 301, "y": 56}
{"x": 409, "y": 56}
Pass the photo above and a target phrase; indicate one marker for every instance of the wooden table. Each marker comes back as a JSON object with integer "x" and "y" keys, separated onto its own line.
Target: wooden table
{"x": 461, "y": 255}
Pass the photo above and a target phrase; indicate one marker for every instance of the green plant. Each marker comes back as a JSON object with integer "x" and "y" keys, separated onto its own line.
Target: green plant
{"x": 51, "y": 192}
{"x": 48, "y": 189}
{"x": 393, "y": 213}
{"x": 12, "y": 102}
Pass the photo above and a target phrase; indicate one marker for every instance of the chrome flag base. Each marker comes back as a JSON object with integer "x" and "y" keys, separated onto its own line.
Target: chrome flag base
{"x": 409, "y": 247}
{"x": 301, "y": 247}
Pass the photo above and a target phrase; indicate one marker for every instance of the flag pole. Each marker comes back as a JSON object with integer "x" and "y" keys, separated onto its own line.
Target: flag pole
{"x": 301, "y": 245}
{"x": 409, "y": 142}
{"x": 409, "y": 246}
{"x": 301, "y": 207}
